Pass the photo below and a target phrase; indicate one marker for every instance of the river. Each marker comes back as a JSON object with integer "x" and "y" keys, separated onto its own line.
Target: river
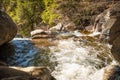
{"x": 73, "y": 58}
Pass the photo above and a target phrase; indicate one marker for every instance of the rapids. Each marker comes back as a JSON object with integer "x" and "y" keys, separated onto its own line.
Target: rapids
{"x": 80, "y": 58}
{"x": 77, "y": 61}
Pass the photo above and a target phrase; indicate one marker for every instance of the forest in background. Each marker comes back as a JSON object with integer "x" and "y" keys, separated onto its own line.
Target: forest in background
{"x": 32, "y": 14}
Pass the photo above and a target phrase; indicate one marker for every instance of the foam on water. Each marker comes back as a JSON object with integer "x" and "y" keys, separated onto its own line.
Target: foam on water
{"x": 78, "y": 34}
{"x": 95, "y": 34}
{"x": 76, "y": 62}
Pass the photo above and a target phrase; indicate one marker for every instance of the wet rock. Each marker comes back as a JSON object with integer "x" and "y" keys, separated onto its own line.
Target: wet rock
{"x": 69, "y": 27}
{"x": 39, "y": 33}
{"x": 41, "y": 36}
{"x": 115, "y": 35}
{"x": 112, "y": 72}
{"x": 89, "y": 28}
{"x": 6, "y": 72}
{"x": 115, "y": 50}
{"x": 19, "y": 78}
{"x": 115, "y": 31}
{"x": 57, "y": 28}
{"x": 38, "y": 72}
{"x": 8, "y": 29}
{"x": 28, "y": 73}
{"x": 60, "y": 27}
{"x": 106, "y": 20}
{"x": 108, "y": 23}
{"x": 24, "y": 78}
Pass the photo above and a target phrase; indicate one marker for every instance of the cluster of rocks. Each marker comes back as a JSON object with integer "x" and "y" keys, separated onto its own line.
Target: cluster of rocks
{"x": 53, "y": 31}
{"x": 8, "y": 31}
{"x": 27, "y": 73}
{"x": 108, "y": 23}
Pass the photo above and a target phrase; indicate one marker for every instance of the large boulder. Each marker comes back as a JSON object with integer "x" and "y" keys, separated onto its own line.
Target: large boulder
{"x": 27, "y": 73}
{"x": 106, "y": 20}
{"x": 108, "y": 23}
{"x": 115, "y": 34}
{"x": 115, "y": 39}
{"x": 39, "y": 33}
{"x": 8, "y": 29}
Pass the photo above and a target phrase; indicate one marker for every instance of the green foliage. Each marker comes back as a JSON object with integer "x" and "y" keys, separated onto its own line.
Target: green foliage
{"x": 30, "y": 12}
{"x": 48, "y": 15}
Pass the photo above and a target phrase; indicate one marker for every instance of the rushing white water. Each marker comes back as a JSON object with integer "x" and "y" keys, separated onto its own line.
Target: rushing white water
{"x": 77, "y": 62}
{"x": 76, "y": 59}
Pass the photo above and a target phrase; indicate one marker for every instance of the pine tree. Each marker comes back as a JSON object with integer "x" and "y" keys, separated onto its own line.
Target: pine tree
{"x": 30, "y": 12}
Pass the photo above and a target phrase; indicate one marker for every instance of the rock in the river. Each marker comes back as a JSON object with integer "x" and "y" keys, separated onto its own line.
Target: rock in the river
{"x": 108, "y": 23}
{"x": 20, "y": 78}
{"x": 89, "y": 28}
{"x": 8, "y": 29}
{"x": 106, "y": 20}
{"x": 28, "y": 73}
{"x": 60, "y": 27}
{"x": 112, "y": 72}
{"x": 57, "y": 28}
{"x": 115, "y": 34}
{"x": 39, "y": 33}
{"x": 115, "y": 40}
{"x": 6, "y": 72}
{"x": 69, "y": 27}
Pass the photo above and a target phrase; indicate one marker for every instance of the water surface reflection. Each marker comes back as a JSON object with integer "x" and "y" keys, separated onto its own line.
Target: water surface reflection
{"x": 26, "y": 54}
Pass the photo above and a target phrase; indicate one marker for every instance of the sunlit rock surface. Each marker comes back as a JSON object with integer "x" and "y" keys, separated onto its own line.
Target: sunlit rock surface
{"x": 108, "y": 24}
{"x": 106, "y": 20}
{"x": 39, "y": 33}
{"x": 28, "y": 73}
